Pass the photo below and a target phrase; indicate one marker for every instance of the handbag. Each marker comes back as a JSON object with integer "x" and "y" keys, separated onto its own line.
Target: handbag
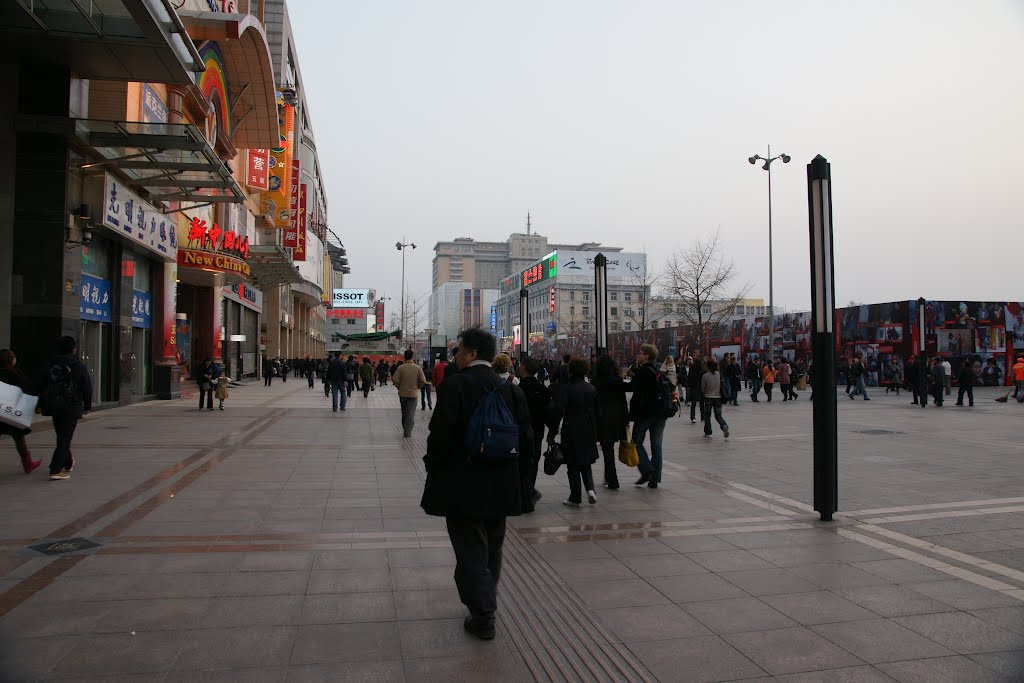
{"x": 628, "y": 455}
{"x": 553, "y": 458}
{"x": 16, "y": 407}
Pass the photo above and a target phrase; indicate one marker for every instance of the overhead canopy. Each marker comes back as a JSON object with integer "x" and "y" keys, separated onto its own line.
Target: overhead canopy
{"x": 272, "y": 265}
{"x": 124, "y": 40}
{"x": 250, "y": 73}
{"x": 166, "y": 162}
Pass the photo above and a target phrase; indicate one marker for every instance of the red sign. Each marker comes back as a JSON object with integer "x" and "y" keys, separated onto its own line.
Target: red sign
{"x": 295, "y": 191}
{"x": 300, "y": 249}
{"x": 379, "y": 315}
{"x": 347, "y": 313}
{"x": 205, "y": 238}
{"x": 551, "y": 300}
{"x": 257, "y": 177}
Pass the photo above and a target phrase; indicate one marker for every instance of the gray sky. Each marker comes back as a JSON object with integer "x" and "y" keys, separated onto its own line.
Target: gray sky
{"x": 630, "y": 123}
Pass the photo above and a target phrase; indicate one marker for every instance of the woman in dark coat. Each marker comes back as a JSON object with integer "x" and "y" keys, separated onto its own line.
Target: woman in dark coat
{"x": 611, "y": 393}
{"x": 576, "y": 412}
{"x": 9, "y": 374}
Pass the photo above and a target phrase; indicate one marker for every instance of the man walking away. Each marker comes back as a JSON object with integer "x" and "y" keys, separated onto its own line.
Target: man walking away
{"x": 913, "y": 376}
{"x": 310, "y": 370}
{"x": 537, "y": 399}
{"x": 965, "y": 378}
{"x": 268, "y": 371}
{"x": 858, "y": 375}
{"x": 425, "y": 391}
{"x": 693, "y": 379}
{"x": 472, "y": 492}
{"x": 785, "y": 377}
{"x": 710, "y": 387}
{"x": 408, "y": 379}
{"x": 366, "y": 376}
{"x": 948, "y": 370}
{"x": 734, "y": 378}
{"x": 645, "y": 411}
{"x": 754, "y": 373}
{"x": 67, "y": 398}
{"x": 938, "y": 378}
{"x": 351, "y": 374}
{"x": 336, "y": 376}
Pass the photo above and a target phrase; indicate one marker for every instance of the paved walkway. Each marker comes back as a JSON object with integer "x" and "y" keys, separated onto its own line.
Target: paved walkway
{"x": 276, "y": 541}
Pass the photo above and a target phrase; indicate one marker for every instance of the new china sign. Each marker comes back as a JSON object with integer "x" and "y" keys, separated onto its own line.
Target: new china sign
{"x": 136, "y": 220}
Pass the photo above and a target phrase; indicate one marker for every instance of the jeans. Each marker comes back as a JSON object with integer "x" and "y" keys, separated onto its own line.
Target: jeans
{"x": 477, "y": 545}
{"x": 206, "y": 394}
{"x": 426, "y": 396}
{"x": 64, "y": 428}
{"x": 755, "y": 388}
{"x": 611, "y": 477}
{"x": 861, "y": 388}
{"x": 715, "y": 406}
{"x": 337, "y": 389}
{"x": 408, "y": 414}
{"x": 577, "y": 473}
{"x": 969, "y": 390}
{"x": 650, "y": 466}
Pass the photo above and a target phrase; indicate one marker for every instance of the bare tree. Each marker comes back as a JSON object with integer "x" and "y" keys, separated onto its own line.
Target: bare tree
{"x": 642, "y": 312}
{"x": 575, "y": 325}
{"x": 700, "y": 277}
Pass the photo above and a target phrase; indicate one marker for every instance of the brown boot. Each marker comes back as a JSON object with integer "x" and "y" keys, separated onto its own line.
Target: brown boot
{"x": 27, "y": 463}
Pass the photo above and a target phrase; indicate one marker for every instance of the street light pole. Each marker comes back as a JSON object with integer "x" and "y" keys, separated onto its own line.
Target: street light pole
{"x": 400, "y": 246}
{"x": 524, "y": 322}
{"x": 771, "y": 274}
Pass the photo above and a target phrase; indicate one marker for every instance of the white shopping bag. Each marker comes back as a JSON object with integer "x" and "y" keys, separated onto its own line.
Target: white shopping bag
{"x": 16, "y": 407}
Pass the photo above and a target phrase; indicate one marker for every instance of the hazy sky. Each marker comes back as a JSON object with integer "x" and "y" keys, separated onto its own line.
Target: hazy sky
{"x": 630, "y": 123}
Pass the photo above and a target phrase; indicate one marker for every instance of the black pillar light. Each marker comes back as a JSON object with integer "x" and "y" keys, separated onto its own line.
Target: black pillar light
{"x": 601, "y": 303}
{"x": 922, "y": 359}
{"x": 524, "y": 322}
{"x": 823, "y": 342}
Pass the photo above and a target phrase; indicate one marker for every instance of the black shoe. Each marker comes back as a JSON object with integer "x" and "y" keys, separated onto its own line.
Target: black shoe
{"x": 482, "y": 630}
{"x": 644, "y": 478}
{"x": 866, "y": 398}
{"x": 613, "y": 487}
{"x": 652, "y": 484}
{"x": 958, "y": 404}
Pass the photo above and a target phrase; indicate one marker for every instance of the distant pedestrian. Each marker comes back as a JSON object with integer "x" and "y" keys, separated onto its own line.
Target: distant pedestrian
{"x": 351, "y": 374}
{"x": 913, "y": 378}
{"x": 938, "y": 378}
{"x": 10, "y": 374}
{"x": 965, "y": 378}
{"x": 408, "y": 379}
{"x": 66, "y": 397}
{"x": 474, "y": 496}
{"x": 754, "y": 372}
{"x": 784, "y": 375}
{"x": 221, "y": 392}
{"x": 858, "y": 374}
{"x": 576, "y": 411}
{"x": 1018, "y": 383}
{"x": 426, "y": 400}
{"x": 693, "y": 378}
{"x": 310, "y": 370}
{"x": 711, "y": 390}
{"x": 611, "y": 391}
{"x": 538, "y": 397}
{"x": 366, "y": 376}
{"x": 268, "y": 371}
{"x": 284, "y": 370}
{"x": 947, "y": 369}
{"x": 336, "y": 377}
{"x": 734, "y": 377}
{"x": 207, "y": 378}
{"x": 768, "y": 378}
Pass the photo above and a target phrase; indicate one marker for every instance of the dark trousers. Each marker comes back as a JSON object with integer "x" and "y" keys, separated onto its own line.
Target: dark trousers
{"x": 477, "y": 545}
{"x": 426, "y": 392}
{"x": 366, "y": 388}
{"x": 785, "y": 391}
{"x": 327, "y": 388}
{"x": 915, "y": 388}
{"x": 309, "y": 378}
{"x": 208, "y": 395}
{"x": 64, "y": 429}
{"x": 937, "y": 393}
{"x": 408, "y": 414}
{"x": 611, "y": 477}
{"x": 768, "y": 389}
{"x": 735, "y": 383}
{"x": 267, "y": 376}
{"x": 351, "y": 385}
{"x": 578, "y": 474}
{"x": 696, "y": 397}
{"x": 969, "y": 390}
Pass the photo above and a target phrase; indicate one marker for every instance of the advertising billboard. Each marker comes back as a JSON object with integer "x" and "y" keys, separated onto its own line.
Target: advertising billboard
{"x": 351, "y": 298}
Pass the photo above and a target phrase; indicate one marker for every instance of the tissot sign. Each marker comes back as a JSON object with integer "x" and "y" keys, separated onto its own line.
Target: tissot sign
{"x": 351, "y": 298}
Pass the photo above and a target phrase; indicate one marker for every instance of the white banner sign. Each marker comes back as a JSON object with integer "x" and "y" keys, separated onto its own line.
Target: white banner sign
{"x": 128, "y": 215}
{"x": 620, "y": 264}
{"x": 351, "y": 298}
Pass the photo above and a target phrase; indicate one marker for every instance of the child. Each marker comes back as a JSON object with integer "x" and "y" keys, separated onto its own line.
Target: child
{"x": 222, "y": 390}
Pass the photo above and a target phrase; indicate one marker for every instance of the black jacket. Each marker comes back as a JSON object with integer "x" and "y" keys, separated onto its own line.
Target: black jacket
{"x": 695, "y": 374}
{"x": 644, "y": 386}
{"x": 614, "y": 412}
{"x": 965, "y": 378}
{"x": 83, "y": 384}
{"x": 351, "y": 370}
{"x": 336, "y": 371}
{"x": 460, "y": 486}
{"x": 537, "y": 399}
{"x": 576, "y": 411}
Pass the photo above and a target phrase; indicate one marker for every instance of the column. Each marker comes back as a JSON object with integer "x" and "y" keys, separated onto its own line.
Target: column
{"x": 272, "y": 320}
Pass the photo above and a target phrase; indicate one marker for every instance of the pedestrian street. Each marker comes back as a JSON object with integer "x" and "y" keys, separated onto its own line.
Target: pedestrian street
{"x": 278, "y": 541}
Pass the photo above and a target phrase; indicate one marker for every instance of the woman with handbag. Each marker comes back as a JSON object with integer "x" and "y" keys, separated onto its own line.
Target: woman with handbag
{"x": 611, "y": 394}
{"x": 9, "y": 374}
{"x": 576, "y": 412}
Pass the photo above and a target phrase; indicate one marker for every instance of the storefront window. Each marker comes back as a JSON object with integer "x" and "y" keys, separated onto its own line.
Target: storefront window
{"x": 142, "y": 327}
{"x": 96, "y": 341}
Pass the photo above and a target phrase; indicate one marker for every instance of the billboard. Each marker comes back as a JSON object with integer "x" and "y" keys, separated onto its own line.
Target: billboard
{"x": 622, "y": 265}
{"x": 351, "y": 298}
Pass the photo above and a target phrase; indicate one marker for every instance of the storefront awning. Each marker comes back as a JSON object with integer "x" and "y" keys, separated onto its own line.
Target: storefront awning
{"x": 124, "y": 40}
{"x": 272, "y": 265}
{"x": 164, "y": 162}
{"x": 249, "y": 71}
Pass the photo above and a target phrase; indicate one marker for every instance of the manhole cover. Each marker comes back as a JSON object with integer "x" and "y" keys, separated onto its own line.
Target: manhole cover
{"x": 64, "y": 546}
{"x": 875, "y": 432}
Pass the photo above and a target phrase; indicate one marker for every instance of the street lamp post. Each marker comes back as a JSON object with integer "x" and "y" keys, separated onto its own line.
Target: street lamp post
{"x": 601, "y": 294}
{"x": 400, "y": 246}
{"x": 524, "y": 322}
{"x": 771, "y": 275}
{"x": 922, "y": 361}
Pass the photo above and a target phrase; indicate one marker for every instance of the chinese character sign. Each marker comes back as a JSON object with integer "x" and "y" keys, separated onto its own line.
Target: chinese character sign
{"x": 153, "y": 108}
{"x": 258, "y": 169}
{"x": 277, "y": 199}
{"x": 96, "y": 303}
{"x": 294, "y": 201}
{"x": 142, "y": 305}
{"x": 127, "y": 214}
{"x": 300, "y": 249}
{"x": 379, "y": 316}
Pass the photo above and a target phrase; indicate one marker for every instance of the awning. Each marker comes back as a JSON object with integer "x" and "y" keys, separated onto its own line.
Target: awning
{"x": 165, "y": 162}
{"x": 307, "y": 293}
{"x": 123, "y": 40}
{"x": 250, "y": 73}
{"x": 272, "y": 265}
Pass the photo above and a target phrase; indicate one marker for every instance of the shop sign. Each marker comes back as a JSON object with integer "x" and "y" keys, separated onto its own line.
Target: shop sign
{"x": 276, "y": 200}
{"x": 293, "y": 201}
{"x": 142, "y": 303}
{"x": 355, "y": 298}
{"x": 494, "y": 319}
{"x": 203, "y": 237}
{"x": 96, "y": 299}
{"x": 257, "y": 176}
{"x": 347, "y": 313}
{"x": 300, "y": 249}
{"x": 214, "y": 262}
{"x": 379, "y": 316}
{"x": 245, "y": 295}
{"x": 153, "y": 108}
{"x": 137, "y": 220}
{"x": 551, "y": 299}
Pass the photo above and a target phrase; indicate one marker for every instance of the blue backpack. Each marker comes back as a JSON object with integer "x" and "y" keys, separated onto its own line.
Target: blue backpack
{"x": 492, "y": 434}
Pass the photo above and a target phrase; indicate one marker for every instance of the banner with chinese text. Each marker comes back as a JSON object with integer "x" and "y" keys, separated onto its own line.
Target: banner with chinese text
{"x": 300, "y": 249}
